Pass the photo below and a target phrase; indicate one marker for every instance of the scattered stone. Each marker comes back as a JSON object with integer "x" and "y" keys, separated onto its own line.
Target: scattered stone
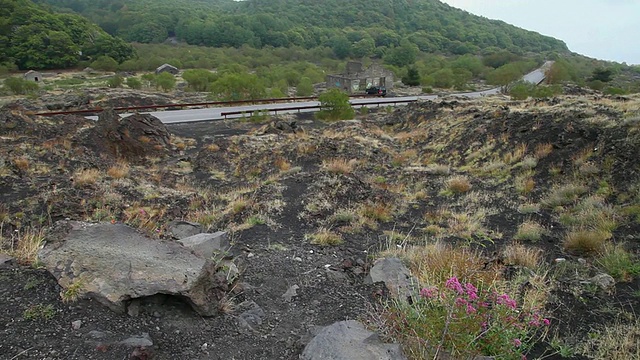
{"x": 395, "y": 276}
{"x": 113, "y": 263}
{"x": 133, "y": 309}
{"x": 559, "y": 260}
{"x": 206, "y": 245}
{"x": 6, "y": 261}
{"x": 141, "y": 353}
{"x": 251, "y": 318}
{"x": 604, "y": 281}
{"x": 349, "y": 340}
{"x": 180, "y": 229}
{"x": 336, "y": 275}
{"x": 291, "y": 293}
{"x": 96, "y": 335}
{"x": 75, "y": 325}
{"x": 143, "y": 340}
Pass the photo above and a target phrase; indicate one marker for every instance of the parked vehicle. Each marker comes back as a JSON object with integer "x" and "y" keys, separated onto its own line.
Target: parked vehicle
{"x": 377, "y": 91}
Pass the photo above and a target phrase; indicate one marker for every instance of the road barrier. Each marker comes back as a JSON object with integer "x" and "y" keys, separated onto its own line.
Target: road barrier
{"x": 180, "y": 106}
{"x": 309, "y": 107}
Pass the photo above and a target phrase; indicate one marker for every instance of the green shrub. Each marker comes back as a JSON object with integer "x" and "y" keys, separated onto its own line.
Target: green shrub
{"x": 115, "y": 81}
{"x": 20, "y": 86}
{"x": 134, "y": 83}
{"x": 335, "y": 105}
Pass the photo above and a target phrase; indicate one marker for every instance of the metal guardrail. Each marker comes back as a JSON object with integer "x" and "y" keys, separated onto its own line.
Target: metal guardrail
{"x": 308, "y": 107}
{"x": 207, "y": 104}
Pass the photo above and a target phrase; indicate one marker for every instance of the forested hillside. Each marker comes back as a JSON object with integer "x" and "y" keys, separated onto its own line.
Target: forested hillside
{"x": 350, "y": 27}
{"x": 33, "y": 38}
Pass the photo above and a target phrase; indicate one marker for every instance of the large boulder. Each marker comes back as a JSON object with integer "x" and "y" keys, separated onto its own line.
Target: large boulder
{"x": 113, "y": 263}
{"x": 395, "y": 276}
{"x": 349, "y": 340}
{"x": 134, "y": 137}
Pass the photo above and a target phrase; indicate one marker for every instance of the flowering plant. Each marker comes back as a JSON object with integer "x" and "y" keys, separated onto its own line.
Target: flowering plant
{"x": 462, "y": 320}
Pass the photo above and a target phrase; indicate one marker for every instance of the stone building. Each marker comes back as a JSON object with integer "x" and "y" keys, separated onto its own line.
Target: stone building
{"x": 356, "y": 79}
{"x": 33, "y": 76}
{"x": 167, "y": 68}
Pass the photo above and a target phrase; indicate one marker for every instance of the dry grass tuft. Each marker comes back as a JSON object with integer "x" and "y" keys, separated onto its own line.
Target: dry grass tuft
{"x": 619, "y": 263}
{"x": 213, "y": 148}
{"x": 325, "y": 237}
{"x": 585, "y": 242}
{"x": 86, "y": 177}
{"x": 564, "y": 195}
{"x": 543, "y": 150}
{"x": 119, "y": 170}
{"x": 339, "y": 166}
{"x": 434, "y": 263}
{"x": 381, "y": 212}
{"x": 458, "y": 185}
{"x": 282, "y": 164}
{"x": 520, "y": 255}
{"x": 23, "y": 245}
{"x": 615, "y": 342}
{"x": 21, "y": 163}
{"x": 530, "y": 231}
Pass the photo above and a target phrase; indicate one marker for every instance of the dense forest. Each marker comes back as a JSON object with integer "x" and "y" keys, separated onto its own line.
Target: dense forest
{"x": 357, "y": 28}
{"x": 32, "y": 38}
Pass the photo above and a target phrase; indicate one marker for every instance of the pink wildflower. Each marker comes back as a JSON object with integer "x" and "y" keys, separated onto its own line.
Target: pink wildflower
{"x": 461, "y": 302}
{"x": 429, "y": 293}
{"x": 472, "y": 291}
{"x": 546, "y": 322}
{"x": 504, "y": 299}
{"x": 517, "y": 342}
{"x": 454, "y": 284}
{"x": 470, "y": 309}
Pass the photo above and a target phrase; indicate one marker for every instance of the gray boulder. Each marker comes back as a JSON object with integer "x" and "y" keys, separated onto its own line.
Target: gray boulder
{"x": 180, "y": 229}
{"x": 349, "y": 340}
{"x": 206, "y": 245}
{"x": 395, "y": 276}
{"x": 113, "y": 264}
{"x": 5, "y": 261}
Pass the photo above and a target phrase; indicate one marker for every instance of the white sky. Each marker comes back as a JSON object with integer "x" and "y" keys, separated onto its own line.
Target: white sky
{"x": 603, "y": 29}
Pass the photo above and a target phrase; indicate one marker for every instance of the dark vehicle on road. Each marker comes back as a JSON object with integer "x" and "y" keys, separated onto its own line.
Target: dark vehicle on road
{"x": 377, "y": 91}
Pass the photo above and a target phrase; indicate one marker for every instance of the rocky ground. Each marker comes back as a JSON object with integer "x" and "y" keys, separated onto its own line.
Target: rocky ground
{"x": 308, "y": 207}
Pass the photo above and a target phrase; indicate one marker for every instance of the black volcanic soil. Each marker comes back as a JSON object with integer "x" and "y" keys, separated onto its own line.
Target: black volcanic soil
{"x": 282, "y": 180}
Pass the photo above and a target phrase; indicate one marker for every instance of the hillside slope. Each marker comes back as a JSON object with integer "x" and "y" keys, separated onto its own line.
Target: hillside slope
{"x": 362, "y": 27}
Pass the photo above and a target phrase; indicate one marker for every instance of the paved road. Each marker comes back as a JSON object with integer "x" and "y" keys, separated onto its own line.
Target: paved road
{"x": 195, "y": 115}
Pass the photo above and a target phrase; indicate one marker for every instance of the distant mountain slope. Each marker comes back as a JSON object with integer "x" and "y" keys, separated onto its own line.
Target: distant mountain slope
{"x": 33, "y": 38}
{"x": 353, "y": 27}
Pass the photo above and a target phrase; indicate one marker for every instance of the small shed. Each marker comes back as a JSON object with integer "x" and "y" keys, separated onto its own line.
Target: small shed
{"x": 33, "y": 76}
{"x": 167, "y": 68}
{"x": 358, "y": 79}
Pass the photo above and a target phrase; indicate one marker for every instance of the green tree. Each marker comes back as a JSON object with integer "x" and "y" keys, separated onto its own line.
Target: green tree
{"x": 335, "y": 105}
{"x": 602, "y": 74}
{"x": 403, "y": 55}
{"x": 198, "y": 79}
{"x": 341, "y": 46}
{"x": 305, "y": 87}
{"x": 504, "y": 75}
{"x": 115, "y": 81}
{"x": 443, "y": 78}
{"x": 165, "y": 81}
{"x": 105, "y": 63}
{"x": 233, "y": 87}
{"x": 20, "y": 86}
{"x": 412, "y": 78}
{"x": 134, "y": 83}
{"x": 558, "y": 73}
{"x": 364, "y": 48}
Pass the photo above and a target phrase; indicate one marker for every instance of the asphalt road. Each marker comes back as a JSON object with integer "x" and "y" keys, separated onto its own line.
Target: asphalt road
{"x": 195, "y": 115}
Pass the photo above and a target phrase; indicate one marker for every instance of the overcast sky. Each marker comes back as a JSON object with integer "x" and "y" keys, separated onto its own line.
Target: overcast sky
{"x": 603, "y": 29}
